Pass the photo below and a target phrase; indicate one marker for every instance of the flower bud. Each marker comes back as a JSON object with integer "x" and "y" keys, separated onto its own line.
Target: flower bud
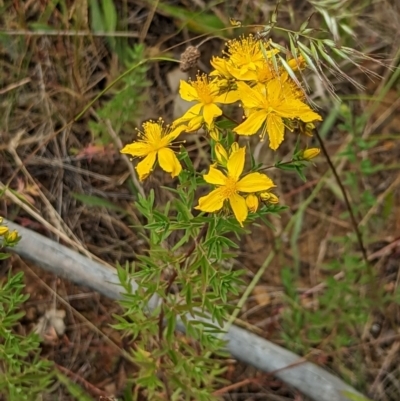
{"x": 309, "y": 154}
{"x": 269, "y": 197}
{"x": 307, "y": 129}
{"x": 252, "y": 202}
{"x": 11, "y": 236}
{"x": 234, "y": 147}
{"x": 195, "y": 123}
{"x": 221, "y": 154}
{"x": 3, "y": 230}
{"x": 214, "y": 133}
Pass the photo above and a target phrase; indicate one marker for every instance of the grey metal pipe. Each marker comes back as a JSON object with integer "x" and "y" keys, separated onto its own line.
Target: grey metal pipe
{"x": 307, "y": 377}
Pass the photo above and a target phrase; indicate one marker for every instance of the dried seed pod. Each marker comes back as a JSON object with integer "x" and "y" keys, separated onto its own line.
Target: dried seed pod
{"x": 189, "y": 58}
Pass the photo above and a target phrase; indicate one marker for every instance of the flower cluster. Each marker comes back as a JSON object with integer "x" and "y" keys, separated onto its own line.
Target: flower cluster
{"x": 7, "y": 237}
{"x": 256, "y": 76}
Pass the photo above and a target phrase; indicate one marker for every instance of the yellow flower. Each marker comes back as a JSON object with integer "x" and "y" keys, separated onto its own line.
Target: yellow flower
{"x": 207, "y": 94}
{"x": 154, "y": 144}
{"x": 297, "y": 64}
{"x": 221, "y": 69}
{"x": 264, "y": 73}
{"x": 269, "y": 104}
{"x": 229, "y": 186}
{"x": 309, "y": 154}
{"x": 3, "y": 230}
{"x": 245, "y": 57}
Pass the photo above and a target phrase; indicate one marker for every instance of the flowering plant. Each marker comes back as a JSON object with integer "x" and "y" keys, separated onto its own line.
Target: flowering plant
{"x": 188, "y": 274}
{"x": 272, "y": 101}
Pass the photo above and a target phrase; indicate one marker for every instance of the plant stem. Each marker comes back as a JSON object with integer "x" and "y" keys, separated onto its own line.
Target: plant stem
{"x": 345, "y": 197}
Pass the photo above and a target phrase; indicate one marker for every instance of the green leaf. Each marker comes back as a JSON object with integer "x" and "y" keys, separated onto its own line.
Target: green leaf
{"x": 354, "y": 397}
{"x": 200, "y": 22}
{"x": 184, "y": 156}
{"x": 286, "y": 66}
{"x": 110, "y": 15}
{"x": 304, "y": 25}
{"x": 96, "y": 17}
{"x": 4, "y": 256}
{"x": 95, "y": 201}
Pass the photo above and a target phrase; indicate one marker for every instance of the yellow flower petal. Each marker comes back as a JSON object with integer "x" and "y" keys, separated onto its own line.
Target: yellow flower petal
{"x": 146, "y": 165}
{"x": 236, "y": 163}
{"x": 210, "y": 111}
{"x": 251, "y": 98}
{"x": 239, "y": 207}
{"x": 167, "y": 139}
{"x": 228, "y": 97}
{"x": 276, "y": 131}
{"x": 252, "y": 203}
{"x": 220, "y": 67}
{"x": 169, "y": 162}
{"x": 254, "y": 182}
{"x": 215, "y": 177}
{"x": 252, "y": 124}
{"x": 138, "y": 149}
{"x": 193, "y": 112}
{"x": 187, "y": 91}
{"x": 211, "y": 202}
{"x": 297, "y": 109}
{"x": 274, "y": 89}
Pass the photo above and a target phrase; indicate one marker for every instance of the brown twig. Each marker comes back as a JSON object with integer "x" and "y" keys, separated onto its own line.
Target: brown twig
{"x": 345, "y": 197}
{"x": 84, "y": 383}
{"x": 259, "y": 380}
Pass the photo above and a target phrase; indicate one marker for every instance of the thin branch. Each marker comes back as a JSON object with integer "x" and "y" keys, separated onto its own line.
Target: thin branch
{"x": 345, "y": 197}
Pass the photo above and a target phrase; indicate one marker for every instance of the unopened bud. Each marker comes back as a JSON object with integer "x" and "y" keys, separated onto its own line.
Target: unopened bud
{"x": 221, "y": 154}
{"x": 214, "y": 133}
{"x": 269, "y": 197}
{"x": 3, "y": 230}
{"x": 195, "y": 123}
{"x": 11, "y": 236}
{"x": 234, "y": 147}
{"x": 252, "y": 203}
{"x": 309, "y": 154}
